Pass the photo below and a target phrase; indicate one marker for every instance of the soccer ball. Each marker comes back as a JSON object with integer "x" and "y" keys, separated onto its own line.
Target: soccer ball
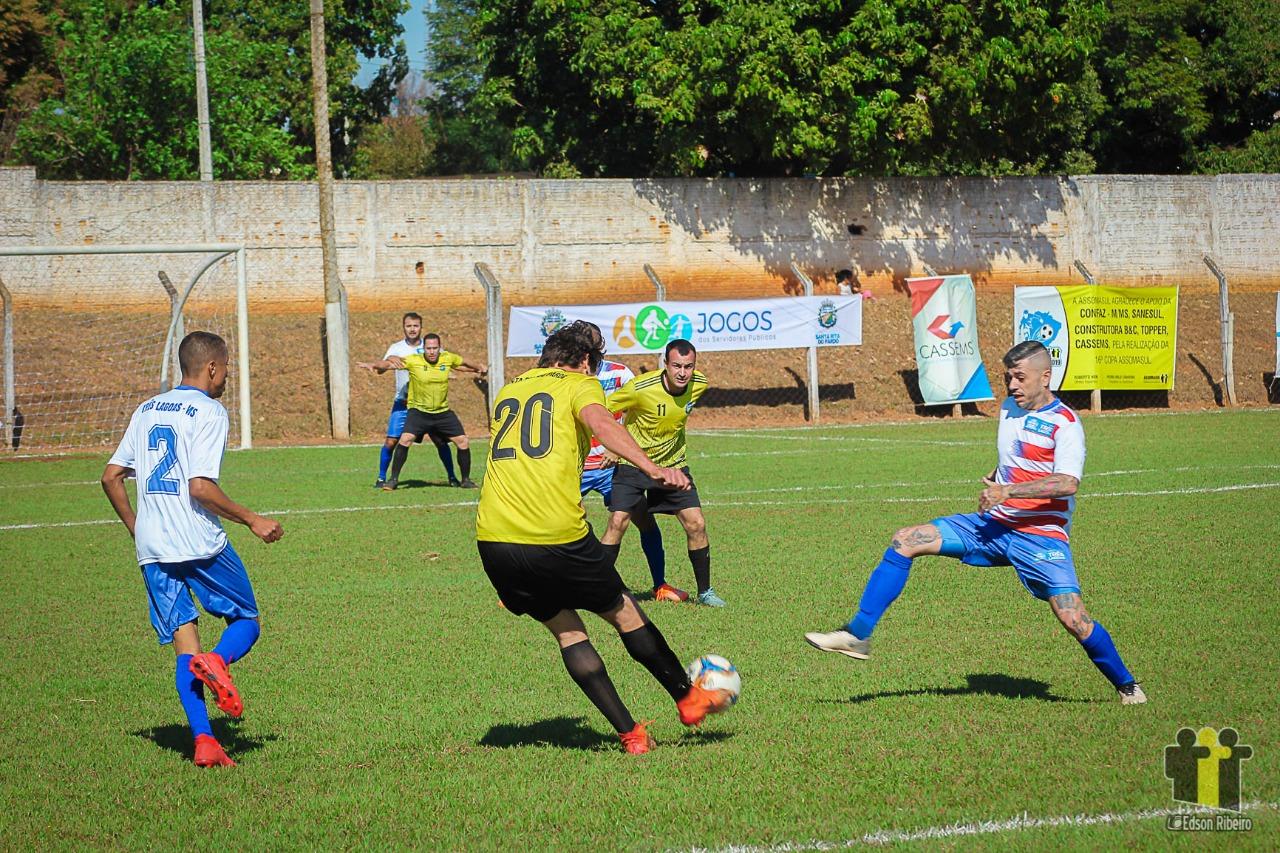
{"x": 712, "y": 672}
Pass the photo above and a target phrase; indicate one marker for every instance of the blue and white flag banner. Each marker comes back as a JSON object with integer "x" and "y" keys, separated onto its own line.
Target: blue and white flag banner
{"x": 944, "y": 316}
{"x": 641, "y": 328}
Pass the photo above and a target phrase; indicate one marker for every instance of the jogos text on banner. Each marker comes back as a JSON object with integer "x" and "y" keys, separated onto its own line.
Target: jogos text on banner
{"x": 745, "y": 324}
{"x": 1110, "y": 338}
{"x": 945, "y": 319}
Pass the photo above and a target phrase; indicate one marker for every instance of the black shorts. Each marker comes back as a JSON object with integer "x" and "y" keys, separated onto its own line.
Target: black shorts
{"x": 443, "y": 424}
{"x": 633, "y": 491}
{"x": 542, "y": 580}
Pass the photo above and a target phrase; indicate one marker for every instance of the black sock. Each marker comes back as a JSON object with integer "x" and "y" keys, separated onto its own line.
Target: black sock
{"x": 650, "y": 650}
{"x": 611, "y": 551}
{"x": 397, "y": 460}
{"x": 587, "y": 670}
{"x": 464, "y": 463}
{"x": 701, "y": 562}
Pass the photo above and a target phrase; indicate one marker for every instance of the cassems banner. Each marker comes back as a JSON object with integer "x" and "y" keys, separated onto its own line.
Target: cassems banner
{"x": 646, "y": 327}
{"x": 1109, "y": 338}
{"x": 945, "y": 317}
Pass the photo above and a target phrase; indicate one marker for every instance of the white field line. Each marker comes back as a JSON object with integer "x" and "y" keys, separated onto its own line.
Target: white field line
{"x": 1238, "y": 487}
{"x": 1017, "y": 823}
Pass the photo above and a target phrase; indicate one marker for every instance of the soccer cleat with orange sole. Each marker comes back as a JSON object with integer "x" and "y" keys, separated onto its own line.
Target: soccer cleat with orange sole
{"x": 212, "y": 671}
{"x": 667, "y": 592}
{"x": 638, "y": 741}
{"x": 698, "y": 703}
{"x": 209, "y": 753}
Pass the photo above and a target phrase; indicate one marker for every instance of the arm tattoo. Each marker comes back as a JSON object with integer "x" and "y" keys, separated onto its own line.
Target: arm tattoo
{"x": 1053, "y": 486}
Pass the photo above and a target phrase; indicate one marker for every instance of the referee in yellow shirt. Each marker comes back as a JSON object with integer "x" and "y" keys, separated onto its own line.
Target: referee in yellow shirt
{"x": 534, "y": 541}
{"x": 657, "y": 405}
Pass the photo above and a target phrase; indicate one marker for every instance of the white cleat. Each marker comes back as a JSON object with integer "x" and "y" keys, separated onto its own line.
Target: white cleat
{"x": 1131, "y": 694}
{"x": 841, "y": 641}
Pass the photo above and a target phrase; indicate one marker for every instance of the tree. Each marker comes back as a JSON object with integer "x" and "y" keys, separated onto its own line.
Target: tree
{"x": 24, "y": 79}
{"x": 124, "y": 104}
{"x": 621, "y": 87}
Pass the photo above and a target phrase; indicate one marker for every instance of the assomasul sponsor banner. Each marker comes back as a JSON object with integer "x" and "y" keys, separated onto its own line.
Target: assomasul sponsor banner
{"x": 745, "y": 324}
{"x": 1110, "y": 338}
{"x": 945, "y": 319}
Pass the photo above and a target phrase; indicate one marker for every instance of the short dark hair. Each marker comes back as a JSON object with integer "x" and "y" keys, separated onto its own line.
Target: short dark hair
{"x": 844, "y": 275}
{"x": 411, "y": 315}
{"x": 431, "y": 336}
{"x": 198, "y": 349}
{"x": 1024, "y": 351}
{"x": 681, "y": 346}
{"x": 567, "y": 346}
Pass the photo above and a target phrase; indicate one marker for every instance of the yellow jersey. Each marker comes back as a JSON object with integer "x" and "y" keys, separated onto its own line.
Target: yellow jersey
{"x": 429, "y": 383}
{"x": 655, "y": 418}
{"x": 537, "y": 443}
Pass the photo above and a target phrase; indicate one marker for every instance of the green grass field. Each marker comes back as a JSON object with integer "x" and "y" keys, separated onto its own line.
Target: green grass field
{"x": 391, "y": 702}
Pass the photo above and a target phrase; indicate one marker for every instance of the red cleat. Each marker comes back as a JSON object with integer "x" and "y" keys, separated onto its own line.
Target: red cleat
{"x": 698, "y": 703}
{"x": 212, "y": 670}
{"x": 667, "y": 592}
{"x": 638, "y": 741}
{"x": 209, "y": 753}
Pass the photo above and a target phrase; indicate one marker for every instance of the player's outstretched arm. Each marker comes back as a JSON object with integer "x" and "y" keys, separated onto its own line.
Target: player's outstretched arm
{"x": 212, "y": 498}
{"x": 113, "y": 484}
{"x": 474, "y": 368}
{"x": 379, "y": 366}
{"x": 615, "y": 438}
{"x": 1052, "y": 486}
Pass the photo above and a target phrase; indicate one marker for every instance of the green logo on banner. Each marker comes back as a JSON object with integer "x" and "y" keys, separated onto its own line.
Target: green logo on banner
{"x": 652, "y": 327}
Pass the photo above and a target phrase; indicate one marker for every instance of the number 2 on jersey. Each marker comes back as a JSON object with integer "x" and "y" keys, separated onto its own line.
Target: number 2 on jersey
{"x": 158, "y": 483}
{"x": 508, "y": 411}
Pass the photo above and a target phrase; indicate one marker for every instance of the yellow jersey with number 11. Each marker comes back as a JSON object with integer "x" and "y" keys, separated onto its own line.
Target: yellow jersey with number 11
{"x": 655, "y": 418}
{"x": 531, "y": 491}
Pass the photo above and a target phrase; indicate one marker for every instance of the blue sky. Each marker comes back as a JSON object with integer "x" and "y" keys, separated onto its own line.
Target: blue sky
{"x": 415, "y": 40}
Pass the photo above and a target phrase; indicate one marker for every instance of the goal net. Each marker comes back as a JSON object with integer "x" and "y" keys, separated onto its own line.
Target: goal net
{"x": 91, "y": 331}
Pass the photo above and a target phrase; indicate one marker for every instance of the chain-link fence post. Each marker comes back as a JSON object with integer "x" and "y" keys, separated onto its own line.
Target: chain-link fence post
{"x": 1228, "y": 320}
{"x": 493, "y": 329}
{"x": 813, "y": 351}
{"x": 1095, "y": 396}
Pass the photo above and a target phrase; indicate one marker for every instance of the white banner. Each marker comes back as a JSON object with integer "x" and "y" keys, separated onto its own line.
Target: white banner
{"x": 743, "y": 324}
{"x": 944, "y": 316}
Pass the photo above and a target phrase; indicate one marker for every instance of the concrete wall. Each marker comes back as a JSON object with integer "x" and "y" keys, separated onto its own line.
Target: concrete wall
{"x": 417, "y": 241}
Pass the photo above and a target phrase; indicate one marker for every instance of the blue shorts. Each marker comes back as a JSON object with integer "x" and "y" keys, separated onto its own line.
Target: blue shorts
{"x": 1044, "y": 565}
{"x": 395, "y": 424}
{"x": 220, "y": 582}
{"x": 599, "y": 480}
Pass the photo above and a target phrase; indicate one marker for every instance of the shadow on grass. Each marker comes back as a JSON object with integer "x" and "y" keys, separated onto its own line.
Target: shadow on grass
{"x": 177, "y": 737}
{"x": 573, "y": 733}
{"x": 978, "y": 684}
{"x": 428, "y": 484}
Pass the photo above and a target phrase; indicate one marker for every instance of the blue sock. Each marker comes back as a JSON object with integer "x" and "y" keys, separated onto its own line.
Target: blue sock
{"x": 1102, "y": 651}
{"x": 385, "y": 461}
{"x": 446, "y": 459}
{"x": 237, "y": 639}
{"x": 191, "y": 694}
{"x": 651, "y": 544}
{"x": 884, "y": 585}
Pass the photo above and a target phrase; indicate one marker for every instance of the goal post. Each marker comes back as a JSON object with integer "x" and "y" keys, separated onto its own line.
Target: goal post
{"x": 97, "y": 301}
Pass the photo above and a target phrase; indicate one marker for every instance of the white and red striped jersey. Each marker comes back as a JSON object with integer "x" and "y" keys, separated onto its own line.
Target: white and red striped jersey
{"x": 612, "y": 375}
{"x": 1033, "y": 445}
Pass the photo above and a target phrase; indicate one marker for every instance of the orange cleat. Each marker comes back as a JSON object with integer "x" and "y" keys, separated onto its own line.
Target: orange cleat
{"x": 638, "y": 741}
{"x": 667, "y": 592}
{"x": 209, "y": 753}
{"x": 698, "y": 703}
{"x": 212, "y": 670}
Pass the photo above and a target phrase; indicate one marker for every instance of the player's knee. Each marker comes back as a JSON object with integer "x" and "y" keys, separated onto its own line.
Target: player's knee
{"x": 695, "y": 526}
{"x": 391, "y": 441}
{"x": 462, "y": 442}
